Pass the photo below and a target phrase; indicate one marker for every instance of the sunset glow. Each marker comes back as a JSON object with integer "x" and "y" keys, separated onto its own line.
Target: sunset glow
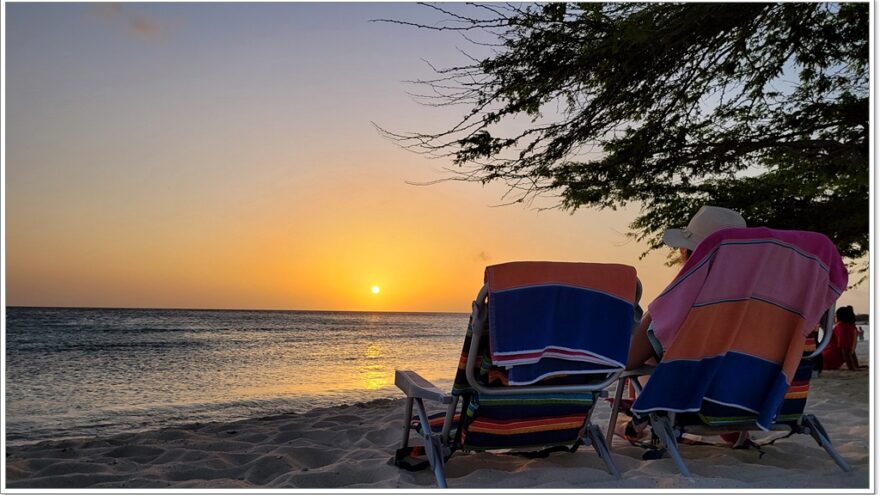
{"x": 189, "y": 170}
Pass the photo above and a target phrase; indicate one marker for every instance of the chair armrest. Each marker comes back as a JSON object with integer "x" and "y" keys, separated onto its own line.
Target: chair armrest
{"x": 645, "y": 369}
{"x": 640, "y": 371}
{"x": 416, "y": 387}
{"x": 827, "y": 322}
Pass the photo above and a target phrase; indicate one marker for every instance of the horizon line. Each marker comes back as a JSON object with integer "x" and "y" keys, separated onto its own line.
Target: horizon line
{"x": 7, "y": 306}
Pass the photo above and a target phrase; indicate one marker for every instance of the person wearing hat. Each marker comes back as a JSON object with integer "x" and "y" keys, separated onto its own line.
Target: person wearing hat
{"x": 707, "y": 220}
{"x": 643, "y": 347}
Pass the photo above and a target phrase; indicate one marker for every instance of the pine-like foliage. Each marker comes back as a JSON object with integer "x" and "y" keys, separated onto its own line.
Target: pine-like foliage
{"x": 759, "y": 107}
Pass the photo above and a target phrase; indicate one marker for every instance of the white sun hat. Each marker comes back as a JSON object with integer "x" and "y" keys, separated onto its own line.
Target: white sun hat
{"x": 705, "y": 222}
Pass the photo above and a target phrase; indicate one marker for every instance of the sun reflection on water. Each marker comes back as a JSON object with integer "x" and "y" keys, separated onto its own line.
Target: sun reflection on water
{"x": 374, "y": 375}
{"x": 154, "y": 367}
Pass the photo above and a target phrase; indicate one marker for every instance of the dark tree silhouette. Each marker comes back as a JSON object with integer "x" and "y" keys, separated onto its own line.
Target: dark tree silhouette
{"x": 762, "y": 108}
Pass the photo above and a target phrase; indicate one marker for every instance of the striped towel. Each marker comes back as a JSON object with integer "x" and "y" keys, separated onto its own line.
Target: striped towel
{"x": 525, "y": 422}
{"x": 551, "y": 318}
{"x": 733, "y": 322}
{"x": 514, "y": 421}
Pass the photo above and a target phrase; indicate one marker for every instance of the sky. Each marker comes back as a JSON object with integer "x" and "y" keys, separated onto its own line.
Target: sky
{"x": 223, "y": 156}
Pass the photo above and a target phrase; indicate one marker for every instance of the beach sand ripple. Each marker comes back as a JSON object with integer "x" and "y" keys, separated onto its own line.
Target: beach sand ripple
{"x": 349, "y": 446}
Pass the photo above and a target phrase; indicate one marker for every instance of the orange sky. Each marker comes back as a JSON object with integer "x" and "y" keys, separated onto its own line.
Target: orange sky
{"x": 227, "y": 160}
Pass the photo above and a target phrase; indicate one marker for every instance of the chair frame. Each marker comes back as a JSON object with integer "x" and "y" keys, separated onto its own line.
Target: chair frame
{"x": 417, "y": 389}
{"x": 664, "y": 426}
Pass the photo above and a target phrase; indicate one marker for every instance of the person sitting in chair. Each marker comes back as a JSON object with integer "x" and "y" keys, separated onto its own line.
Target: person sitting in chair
{"x": 644, "y": 348}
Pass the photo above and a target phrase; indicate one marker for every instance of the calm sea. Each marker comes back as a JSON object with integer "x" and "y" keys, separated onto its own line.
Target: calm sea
{"x": 86, "y": 372}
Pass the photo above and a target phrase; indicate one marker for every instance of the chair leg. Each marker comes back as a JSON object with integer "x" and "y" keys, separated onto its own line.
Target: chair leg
{"x": 447, "y": 422}
{"x": 407, "y": 420}
{"x": 595, "y": 438}
{"x": 819, "y": 435}
{"x": 662, "y": 427}
{"x": 439, "y": 472}
{"x": 432, "y": 445}
{"x": 615, "y": 409}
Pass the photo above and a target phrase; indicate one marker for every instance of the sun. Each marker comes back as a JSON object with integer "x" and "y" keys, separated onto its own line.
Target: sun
{"x": 375, "y": 289}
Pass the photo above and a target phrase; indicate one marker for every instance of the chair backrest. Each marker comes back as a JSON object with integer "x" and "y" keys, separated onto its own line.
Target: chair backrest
{"x": 551, "y": 301}
{"x": 733, "y": 323}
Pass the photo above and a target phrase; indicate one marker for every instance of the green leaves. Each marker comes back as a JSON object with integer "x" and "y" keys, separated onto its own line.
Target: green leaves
{"x": 758, "y": 107}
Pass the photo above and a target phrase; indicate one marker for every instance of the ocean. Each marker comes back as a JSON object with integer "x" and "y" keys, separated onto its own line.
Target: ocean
{"x": 95, "y": 372}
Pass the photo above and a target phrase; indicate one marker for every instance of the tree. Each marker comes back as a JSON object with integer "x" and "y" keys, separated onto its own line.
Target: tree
{"x": 762, "y": 108}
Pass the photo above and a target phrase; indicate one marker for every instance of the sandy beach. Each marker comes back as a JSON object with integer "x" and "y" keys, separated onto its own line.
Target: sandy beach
{"x": 349, "y": 447}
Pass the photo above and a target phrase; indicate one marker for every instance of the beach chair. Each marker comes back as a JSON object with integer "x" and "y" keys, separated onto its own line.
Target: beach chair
{"x": 732, "y": 328}
{"x": 544, "y": 341}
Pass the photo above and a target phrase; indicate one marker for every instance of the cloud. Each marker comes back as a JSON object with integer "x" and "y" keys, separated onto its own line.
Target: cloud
{"x": 143, "y": 26}
{"x": 108, "y": 10}
{"x": 147, "y": 27}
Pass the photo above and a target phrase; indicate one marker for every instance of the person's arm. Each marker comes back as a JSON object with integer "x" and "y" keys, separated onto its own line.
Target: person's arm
{"x": 850, "y": 360}
{"x": 855, "y": 357}
{"x": 848, "y": 346}
{"x": 640, "y": 349}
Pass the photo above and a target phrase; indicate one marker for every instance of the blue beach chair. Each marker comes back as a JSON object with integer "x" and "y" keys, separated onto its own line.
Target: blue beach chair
{"x": 544, "y": 341}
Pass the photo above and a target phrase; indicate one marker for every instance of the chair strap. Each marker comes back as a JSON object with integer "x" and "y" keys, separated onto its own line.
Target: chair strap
{"x": 540, "y": 454}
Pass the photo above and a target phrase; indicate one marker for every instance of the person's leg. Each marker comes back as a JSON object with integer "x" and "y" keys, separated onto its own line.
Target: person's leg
{"x": 640, "y": 352}
{"x": 640, "y": 349}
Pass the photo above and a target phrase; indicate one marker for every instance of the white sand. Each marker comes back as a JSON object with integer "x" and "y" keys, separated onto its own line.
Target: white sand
{"x": 349, "y": 446}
